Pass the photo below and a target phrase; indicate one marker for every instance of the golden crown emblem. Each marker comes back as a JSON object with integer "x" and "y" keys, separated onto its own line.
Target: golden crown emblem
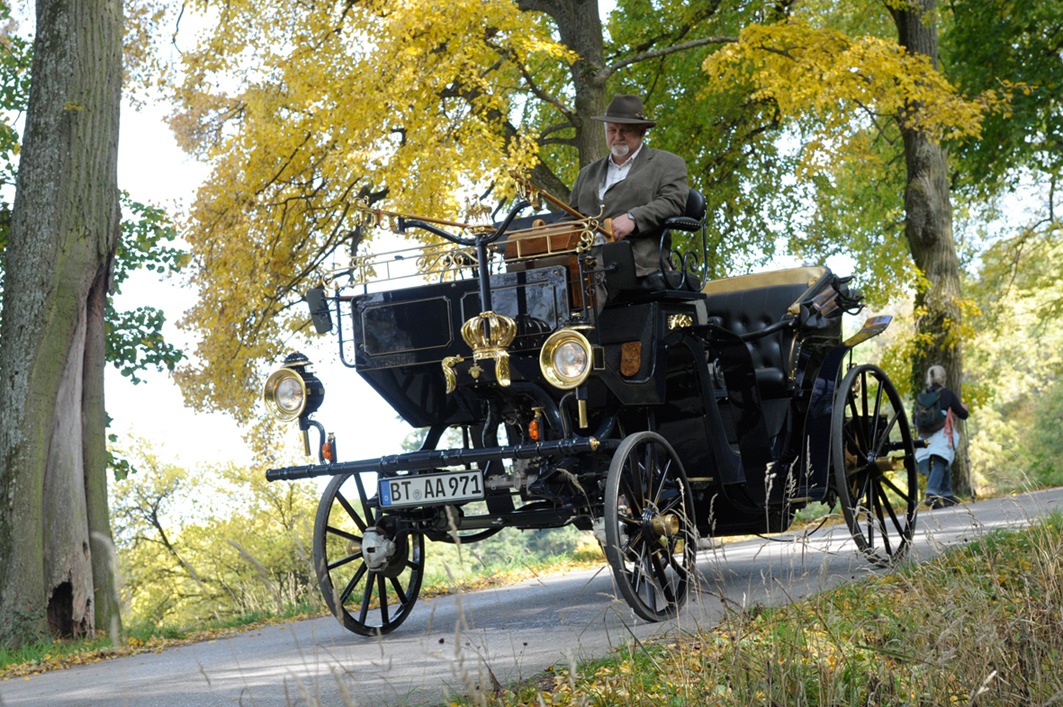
{"x": 488, "y": 335}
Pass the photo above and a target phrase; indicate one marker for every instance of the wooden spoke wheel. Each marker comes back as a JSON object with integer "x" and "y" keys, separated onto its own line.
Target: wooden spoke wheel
{"x": 369, "y": 575}
{"x": 873, "y": 461}
{"x": 651, "y": 537}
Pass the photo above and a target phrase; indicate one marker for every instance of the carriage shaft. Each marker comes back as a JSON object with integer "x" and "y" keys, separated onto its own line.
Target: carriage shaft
{"x": 435, "y": 459}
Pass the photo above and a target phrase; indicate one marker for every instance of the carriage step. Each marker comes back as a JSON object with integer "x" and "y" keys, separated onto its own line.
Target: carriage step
{"x": 808, "y": 494}
{"x": 701, "y": 481}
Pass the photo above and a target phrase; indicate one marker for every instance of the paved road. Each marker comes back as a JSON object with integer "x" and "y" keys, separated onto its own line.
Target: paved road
{"x": 455, "y": 644}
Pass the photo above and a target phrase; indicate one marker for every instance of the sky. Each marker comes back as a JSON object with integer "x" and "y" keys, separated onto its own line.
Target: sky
{"x": 153, "y": 169}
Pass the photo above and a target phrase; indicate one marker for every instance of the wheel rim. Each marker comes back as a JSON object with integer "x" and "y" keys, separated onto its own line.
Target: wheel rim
{"x": 873, "y": 458}
{"x": 462, "y": 537}
{"x": 369, "y": 576}
{"x": 649, "y": 526}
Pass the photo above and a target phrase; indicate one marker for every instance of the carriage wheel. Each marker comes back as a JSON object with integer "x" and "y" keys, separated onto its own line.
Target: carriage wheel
{"x": 650, "y": 534}
{"x": 369, "y": 575}
{"x": 873, "y": 458}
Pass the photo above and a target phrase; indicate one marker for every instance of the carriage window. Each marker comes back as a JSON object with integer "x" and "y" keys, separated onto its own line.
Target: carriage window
{"x": 406, "y": 326}
{"x": 535, "y": 299}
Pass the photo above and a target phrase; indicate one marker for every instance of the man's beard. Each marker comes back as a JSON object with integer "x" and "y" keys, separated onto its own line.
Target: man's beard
{"x": 620, "y": 150}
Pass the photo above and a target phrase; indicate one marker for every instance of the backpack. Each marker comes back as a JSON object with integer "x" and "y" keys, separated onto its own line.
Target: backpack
{"x": 929, "y": 417}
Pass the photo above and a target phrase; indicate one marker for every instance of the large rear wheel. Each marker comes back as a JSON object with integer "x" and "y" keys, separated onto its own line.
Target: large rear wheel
{"x": 873, "y": 461}
{"x": 369, "y": 574}
{"x": 650, "y": 533}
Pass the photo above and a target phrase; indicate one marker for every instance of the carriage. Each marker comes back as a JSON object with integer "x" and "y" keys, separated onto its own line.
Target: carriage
{"x": 670, "y": 412}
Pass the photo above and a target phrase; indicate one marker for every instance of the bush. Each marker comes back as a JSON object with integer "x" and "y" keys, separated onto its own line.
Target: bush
{"x": 1045, "y": 439}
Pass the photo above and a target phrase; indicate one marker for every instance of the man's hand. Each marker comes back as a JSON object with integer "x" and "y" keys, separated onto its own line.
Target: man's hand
{"x": 623, "y": 227}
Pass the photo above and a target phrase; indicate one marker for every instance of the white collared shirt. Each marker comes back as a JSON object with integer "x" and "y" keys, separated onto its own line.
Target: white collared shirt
{"x": 617, "y": 172}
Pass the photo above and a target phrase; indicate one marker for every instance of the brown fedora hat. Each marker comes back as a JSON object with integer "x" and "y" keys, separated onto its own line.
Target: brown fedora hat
{"x": 625, "y": 109}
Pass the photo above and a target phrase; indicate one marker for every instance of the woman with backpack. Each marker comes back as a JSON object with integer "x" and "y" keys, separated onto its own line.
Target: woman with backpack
{"x": 936, "y": 409}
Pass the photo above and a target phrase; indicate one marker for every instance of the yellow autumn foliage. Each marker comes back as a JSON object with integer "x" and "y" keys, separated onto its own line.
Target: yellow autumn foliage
{"x": 306, "y": 111}
{"x": 303, "y": 110}
{"x": 837, "y": 89}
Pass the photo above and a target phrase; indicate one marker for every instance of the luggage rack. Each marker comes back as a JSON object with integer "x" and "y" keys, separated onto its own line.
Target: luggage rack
{"x": 436, "y": 262}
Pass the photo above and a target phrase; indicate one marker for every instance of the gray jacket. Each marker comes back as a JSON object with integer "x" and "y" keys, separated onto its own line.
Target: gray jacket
{"x": 655, "y": 189}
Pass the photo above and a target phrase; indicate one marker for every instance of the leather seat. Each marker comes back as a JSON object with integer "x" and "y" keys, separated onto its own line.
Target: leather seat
{"x": 750, "y": 303}
{"x": 673, "y": 278}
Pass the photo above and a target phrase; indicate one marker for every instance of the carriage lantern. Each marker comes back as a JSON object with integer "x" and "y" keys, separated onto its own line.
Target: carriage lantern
{"x": 565, "y": 359}
{"x": 292, "y": 392}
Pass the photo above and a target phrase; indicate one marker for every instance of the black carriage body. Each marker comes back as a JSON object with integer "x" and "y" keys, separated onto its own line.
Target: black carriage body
{"x": 734, "y": 403}
{"x": 401, "y": 337}
{"x": 672, "y": 362}
{"x": 697, "y": 412}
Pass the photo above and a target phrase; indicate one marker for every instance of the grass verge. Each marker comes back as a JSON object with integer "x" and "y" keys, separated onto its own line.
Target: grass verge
{"x": 978, "y": 625}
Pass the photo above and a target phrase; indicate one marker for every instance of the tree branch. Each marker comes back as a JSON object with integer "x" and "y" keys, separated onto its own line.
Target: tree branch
{"x": 550, "y": 7}
{"x": 534, "y": 87}
{"x": 556, "y": 127}
{"x": 543, "y": 95}
{"x": 609, "y": 71}
{"x": 699, "y": 12}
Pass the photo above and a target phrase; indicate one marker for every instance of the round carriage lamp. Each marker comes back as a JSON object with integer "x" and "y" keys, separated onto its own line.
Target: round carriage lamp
{"x": 565, "y": 359}
{"x": 293, "y": 391}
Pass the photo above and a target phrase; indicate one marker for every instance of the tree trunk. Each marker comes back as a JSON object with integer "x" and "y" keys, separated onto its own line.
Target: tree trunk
{"x": 928, "y": 228}
{"x": 580, "y": 26}
{"x": 54, "y": 527}
{"x": 104, "y": 556}
{"x": 582, "y": 32}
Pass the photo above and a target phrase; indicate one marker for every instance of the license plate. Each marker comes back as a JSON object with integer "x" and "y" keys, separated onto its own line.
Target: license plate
{"x": 428, "y": 489}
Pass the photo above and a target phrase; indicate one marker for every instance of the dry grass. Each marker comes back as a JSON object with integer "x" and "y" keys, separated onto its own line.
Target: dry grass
{"x": 980, "y": 625}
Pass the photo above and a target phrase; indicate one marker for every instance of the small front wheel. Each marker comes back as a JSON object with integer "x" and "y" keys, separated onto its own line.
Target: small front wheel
{"x": 369, "y": 574}
{"x": 873, "y": 458}
{"x": 651, "y": 541}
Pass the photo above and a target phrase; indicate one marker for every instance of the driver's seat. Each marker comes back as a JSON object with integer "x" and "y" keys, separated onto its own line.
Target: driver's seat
{"x": 681, "y": 278}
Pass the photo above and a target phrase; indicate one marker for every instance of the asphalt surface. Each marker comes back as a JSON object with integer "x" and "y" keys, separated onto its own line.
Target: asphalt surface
{"x": 458, "y": 644}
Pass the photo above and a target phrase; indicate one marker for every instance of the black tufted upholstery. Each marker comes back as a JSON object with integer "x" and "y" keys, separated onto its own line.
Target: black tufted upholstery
{"x": 752, "y": 302}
